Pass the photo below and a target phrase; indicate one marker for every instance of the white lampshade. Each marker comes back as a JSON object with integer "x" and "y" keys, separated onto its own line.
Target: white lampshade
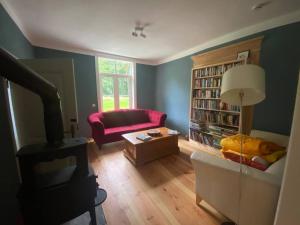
{"x": 247, "y": 79}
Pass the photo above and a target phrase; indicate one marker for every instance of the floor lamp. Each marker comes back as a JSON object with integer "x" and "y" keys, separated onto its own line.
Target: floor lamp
{"x": 242, "y": 85}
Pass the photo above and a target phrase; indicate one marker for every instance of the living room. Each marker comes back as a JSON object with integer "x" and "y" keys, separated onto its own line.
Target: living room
{"x": 162, "y": 45}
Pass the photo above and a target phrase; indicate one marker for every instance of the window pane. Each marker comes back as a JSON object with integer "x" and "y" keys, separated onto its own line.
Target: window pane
{"x": 123, "y": 93}
{"x": 108, "y": 102}
{"x": 106, "y": 65}
{"x": 123, "y": 68}
{"x": 112, "y": 66}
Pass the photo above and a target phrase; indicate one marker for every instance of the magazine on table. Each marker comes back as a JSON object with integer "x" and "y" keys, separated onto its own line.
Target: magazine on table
{"x": 144, "y": 137}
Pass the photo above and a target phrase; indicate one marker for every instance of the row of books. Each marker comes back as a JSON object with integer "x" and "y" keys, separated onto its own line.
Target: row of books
{"x": 209, "y": 71}
{"x": 210, "y": 82}
{"x": 215, "y": 70}
{"x": 202, "y": 138}
{"x": 211, "y": 136}
{"x": 207, "y": 104}
{"x": 205, "y": 138}
{"x": 214, "y": 93}
{"x": 194, "y": 125}
{"x": 215, "y": 117}
{"x": 225, "y": 106}
{"x": 214, "y": 105}
{"x": 221, "y": 131}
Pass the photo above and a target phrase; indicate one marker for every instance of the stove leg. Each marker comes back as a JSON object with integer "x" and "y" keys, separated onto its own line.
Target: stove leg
{"x": 93, "y": 216}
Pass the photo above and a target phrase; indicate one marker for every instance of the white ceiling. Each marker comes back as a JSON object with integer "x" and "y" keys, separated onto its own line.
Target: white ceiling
{"x": 106, "y": 25}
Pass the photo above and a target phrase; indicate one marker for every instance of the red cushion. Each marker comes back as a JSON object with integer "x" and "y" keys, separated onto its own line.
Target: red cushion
{"x": 143, "y": 126}
{"x": 236, "y": 158}
{"x": 128, "y": 129}
{"x": 124, "y": 117}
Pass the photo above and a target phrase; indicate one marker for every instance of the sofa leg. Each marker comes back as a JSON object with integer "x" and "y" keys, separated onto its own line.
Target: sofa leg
{"x": 99, "y": 146}
{"x": 198, "y": 199}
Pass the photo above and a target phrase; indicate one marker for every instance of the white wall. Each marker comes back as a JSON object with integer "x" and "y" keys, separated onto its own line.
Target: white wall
{"x": 288, "y": 210}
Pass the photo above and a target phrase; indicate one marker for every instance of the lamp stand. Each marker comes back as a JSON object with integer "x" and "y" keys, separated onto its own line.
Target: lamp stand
{"x": 241, "y": 95}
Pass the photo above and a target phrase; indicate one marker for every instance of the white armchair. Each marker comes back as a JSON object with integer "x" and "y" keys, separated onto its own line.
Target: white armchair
{"x": 217, "y": 182}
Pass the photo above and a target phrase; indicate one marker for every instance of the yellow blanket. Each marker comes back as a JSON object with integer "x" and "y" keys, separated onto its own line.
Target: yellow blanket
{"x": 253, "y": 147}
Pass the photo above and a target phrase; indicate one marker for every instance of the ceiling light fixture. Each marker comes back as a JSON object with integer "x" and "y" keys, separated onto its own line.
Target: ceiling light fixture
{"x": 139, "y": 30}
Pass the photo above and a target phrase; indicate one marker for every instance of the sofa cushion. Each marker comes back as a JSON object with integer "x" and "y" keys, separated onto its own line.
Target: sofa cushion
{"x": 137, "y": 116}
{"x": 121, "y": 118}
{"x": 128, "y": 129}
{"x": 114, "y": 119}
{"x": 144, "y": 126}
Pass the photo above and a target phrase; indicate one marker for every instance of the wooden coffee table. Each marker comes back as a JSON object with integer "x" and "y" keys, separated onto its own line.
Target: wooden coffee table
{"x": 140, "y": 152}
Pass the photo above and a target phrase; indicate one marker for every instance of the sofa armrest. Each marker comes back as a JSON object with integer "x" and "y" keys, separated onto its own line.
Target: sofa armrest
{"x": 96, "y": 124}
{"x": 157, "y": 117}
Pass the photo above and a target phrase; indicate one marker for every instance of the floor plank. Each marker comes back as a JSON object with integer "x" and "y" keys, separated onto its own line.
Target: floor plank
{"x": 160, "y": 192}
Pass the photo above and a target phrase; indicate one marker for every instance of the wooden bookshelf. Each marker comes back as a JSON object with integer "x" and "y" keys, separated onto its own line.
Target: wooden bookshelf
{"x": 211, "y": 119}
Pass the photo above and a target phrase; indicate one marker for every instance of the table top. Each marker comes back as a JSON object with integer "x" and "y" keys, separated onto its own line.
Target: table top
{"x": 131, "y": 137}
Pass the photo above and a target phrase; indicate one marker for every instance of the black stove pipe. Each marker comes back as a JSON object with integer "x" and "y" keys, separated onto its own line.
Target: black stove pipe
{"x": 13, "y": 70}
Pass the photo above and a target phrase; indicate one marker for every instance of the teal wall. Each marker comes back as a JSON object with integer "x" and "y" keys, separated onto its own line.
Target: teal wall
{"x": 12, "y": 40}
{"x": 280, "y": 57}
{"x": 86, "y": 89}
{"x": 85, "y": 80}
{"x": 173, "y": 92}
{"x": 145, "y": 86}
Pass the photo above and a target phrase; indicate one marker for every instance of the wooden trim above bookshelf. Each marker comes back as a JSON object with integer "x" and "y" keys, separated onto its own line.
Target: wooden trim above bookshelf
{"x": 228, "y": 53}
{"x": 218, "y": 64}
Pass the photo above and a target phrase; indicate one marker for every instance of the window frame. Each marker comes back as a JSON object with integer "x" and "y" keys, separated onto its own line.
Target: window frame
{"x": 115, "y": 77}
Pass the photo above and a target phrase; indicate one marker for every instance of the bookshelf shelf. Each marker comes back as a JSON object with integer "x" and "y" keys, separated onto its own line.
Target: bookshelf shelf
{"x": 211, "y": 119}
{"x": 208, "y": 98}
{"x": 218, "y": 110}
{"x": 201, "y": 88}
{"x": 214, "y": 76}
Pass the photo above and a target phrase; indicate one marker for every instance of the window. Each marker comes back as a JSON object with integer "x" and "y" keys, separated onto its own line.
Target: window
{"x": 115, "y": 84}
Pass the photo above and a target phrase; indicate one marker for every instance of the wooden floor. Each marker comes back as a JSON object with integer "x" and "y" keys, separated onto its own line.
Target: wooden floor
{"x": 160, "y": 192}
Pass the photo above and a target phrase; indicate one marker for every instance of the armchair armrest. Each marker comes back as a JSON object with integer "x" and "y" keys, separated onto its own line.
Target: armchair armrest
{"x": 218, "y": 183}
{"x": 157, "y": 117}
{"x": 202, "y": 158}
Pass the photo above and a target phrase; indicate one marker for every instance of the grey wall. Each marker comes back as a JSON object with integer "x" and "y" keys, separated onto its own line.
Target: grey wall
{"x": 280, "y": 57}
{"x": 12, "y": 40}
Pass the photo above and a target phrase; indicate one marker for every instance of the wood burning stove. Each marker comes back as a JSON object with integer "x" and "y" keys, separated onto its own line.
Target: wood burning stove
{"x": 54, "y": 197}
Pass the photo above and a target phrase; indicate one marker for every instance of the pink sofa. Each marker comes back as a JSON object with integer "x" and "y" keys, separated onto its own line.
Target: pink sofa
{"x": 109, "y": 126}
